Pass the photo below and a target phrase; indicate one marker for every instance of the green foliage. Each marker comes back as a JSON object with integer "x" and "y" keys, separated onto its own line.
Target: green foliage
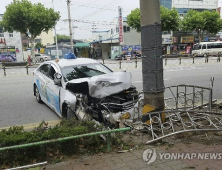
{"x": 133, "y": 19}
{"x": 39, "y": 45}
{"x": 63, "y": 38}
{"x": 202, "y": 22}
{"x": 169, "y": 19}
{"x": 52, "y": 152}
{"x": 24, "y": 17}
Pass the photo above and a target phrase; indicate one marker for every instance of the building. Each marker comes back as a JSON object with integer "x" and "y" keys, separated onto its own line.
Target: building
{"x": 181, "y": 41}
{"x": 45, "y": 38}
{"x": 10, "y": 46}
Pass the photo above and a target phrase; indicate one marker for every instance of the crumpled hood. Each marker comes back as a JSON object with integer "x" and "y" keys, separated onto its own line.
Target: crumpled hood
{"x": 103, "y": 85}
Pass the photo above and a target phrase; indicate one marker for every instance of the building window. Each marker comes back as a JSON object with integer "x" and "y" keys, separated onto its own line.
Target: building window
{"x": 126, "y": 29}
{"x": 117, "y": 29}
{"x": 10, "y": 34}
{"x": 100, "y": 38}
{"x": 1, "y": 34}
{"x": 37, "y": 40}
{"x": 1, "y": 29}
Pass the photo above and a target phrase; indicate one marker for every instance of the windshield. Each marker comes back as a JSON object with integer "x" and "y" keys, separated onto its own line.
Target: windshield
{"x": 197, "y": 47}
{"x": 83, "y": 71}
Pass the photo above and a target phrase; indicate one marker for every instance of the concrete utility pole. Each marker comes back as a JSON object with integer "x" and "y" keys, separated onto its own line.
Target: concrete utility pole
{"x": 56, "y": 41}
{"x": 70, "y": 26}
{"x": 152, "y": 64}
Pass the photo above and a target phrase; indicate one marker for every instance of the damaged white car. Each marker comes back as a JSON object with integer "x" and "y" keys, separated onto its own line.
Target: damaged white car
{"x": 85, "y": 89}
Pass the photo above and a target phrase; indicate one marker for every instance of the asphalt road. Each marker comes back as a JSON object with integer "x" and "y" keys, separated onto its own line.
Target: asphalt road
{"x": 18, "y": 105}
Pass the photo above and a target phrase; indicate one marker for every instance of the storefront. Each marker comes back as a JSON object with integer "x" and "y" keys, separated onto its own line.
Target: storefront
{"x": 182, "y": 44}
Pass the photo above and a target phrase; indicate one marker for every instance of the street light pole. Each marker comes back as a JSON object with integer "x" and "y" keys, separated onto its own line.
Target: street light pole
{"x": 57, "y": 50}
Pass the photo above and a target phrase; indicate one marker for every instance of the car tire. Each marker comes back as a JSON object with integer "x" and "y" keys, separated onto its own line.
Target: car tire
{"x": 37, "y": 95}
{"x": 41, "y": 60}
{"x": 70, "y": 114}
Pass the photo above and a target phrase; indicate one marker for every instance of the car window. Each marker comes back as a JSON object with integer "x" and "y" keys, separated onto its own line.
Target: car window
{"x": 83, "y": 71}
{"x": 37, "y": 55}
{"x": 44, "y": 69}
{"x": 51, "y": 72}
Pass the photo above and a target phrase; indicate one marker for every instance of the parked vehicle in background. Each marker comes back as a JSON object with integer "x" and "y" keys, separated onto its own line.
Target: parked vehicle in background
{"x": 136, "y": 54}
{"x": 42, "y": 57}
{"x": 212, "y": 48}
{"x": 127, "y": 54}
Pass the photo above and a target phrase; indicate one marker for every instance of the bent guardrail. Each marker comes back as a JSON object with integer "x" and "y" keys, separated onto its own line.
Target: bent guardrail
{"x": 108, "y": 132}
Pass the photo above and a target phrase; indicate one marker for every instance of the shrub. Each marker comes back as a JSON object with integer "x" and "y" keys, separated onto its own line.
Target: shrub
{"x": 53, "y": 151}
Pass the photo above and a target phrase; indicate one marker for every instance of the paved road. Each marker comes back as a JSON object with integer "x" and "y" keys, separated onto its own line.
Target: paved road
{"x": 18, "y": 105}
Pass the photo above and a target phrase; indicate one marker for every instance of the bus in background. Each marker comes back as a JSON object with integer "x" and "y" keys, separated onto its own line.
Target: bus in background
{"x": 202, "y": 48}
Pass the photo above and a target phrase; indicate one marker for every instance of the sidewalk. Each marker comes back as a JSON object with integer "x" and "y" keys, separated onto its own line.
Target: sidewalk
{"x": 134, "y": 160}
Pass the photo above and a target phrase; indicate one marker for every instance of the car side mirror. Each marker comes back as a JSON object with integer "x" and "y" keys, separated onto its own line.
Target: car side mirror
{"x": 57, "y": 79}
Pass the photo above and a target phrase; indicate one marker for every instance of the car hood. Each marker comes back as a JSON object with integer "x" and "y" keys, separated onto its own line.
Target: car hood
{"x": 101, "y": 86}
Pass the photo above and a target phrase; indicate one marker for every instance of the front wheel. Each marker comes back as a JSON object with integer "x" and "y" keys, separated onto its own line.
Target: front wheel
{"x": 71, "y": 114}
{"x": 37, "y": 95}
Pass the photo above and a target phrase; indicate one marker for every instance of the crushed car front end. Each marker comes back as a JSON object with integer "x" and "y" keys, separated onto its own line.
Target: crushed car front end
{"x": 107, "y": 98}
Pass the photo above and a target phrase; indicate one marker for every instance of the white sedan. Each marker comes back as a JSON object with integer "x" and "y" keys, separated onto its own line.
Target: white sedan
{"x": 85, "y": 89}
{"x": 42, "y": 57}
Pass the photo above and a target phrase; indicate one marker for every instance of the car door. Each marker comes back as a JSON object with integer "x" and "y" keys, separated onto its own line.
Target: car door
{"x": 52, "y": 90}
{"x": 41, "y": 79}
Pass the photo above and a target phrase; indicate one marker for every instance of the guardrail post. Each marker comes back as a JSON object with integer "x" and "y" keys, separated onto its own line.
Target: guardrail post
{"x": 119, "y": 64}
{"x": 4, "y": 71}
{"x": 103, "y": 61}
{"x": 136, "y": 62}
{"x": 193, "y": 58}
{"x": 108, "y": 141}
{"x": 218, "y": 56}
{"x": 206, "y": 58}
{"x": 27, "y": 71}
{"x": 180, "y": 60}
{"x": 166, "y": 60}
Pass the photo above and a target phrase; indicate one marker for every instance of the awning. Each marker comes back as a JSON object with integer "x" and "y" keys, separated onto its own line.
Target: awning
{"x": 81, "y": 45}
{"x": 110, "y": 40}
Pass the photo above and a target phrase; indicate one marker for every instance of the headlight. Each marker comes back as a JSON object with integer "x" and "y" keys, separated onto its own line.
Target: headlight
{"x": 125, "y": 116}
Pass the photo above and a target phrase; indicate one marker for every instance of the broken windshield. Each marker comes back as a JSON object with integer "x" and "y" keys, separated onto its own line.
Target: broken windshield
{"x": 83, "y": 71}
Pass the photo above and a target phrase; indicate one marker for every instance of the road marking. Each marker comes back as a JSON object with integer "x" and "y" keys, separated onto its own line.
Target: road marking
{"x": 34, "y": 125}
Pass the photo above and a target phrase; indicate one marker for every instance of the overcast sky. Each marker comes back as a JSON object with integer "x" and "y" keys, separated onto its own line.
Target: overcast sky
{"x": 101, "y": 12}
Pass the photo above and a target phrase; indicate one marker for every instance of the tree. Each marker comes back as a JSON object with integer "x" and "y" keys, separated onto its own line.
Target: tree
{"x": 39, "y": 45}
{"x": 63, "y": 38}
{"x": 169, "y": 19}
{"x": 202, "y": 22}
{"x": 27, "y": 18}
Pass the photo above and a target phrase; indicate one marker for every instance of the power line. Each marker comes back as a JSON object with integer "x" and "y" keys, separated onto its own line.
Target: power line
{"x": 99, "y": 10}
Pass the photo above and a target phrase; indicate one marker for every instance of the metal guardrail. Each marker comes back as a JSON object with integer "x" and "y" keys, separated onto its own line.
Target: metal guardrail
{"x": 136, "y": 60}
{"x": 29, "y": 166}
{"x": 108, "y": 132}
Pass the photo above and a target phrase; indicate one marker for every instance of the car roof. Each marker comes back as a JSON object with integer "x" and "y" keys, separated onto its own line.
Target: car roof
{"x": 71, "y": 62}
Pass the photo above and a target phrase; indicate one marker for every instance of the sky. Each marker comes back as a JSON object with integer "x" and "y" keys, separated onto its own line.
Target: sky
{"x": 85, "y": 14}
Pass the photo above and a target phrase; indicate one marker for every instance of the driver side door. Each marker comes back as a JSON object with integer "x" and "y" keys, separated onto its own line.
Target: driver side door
{"x": 53, "y": 91}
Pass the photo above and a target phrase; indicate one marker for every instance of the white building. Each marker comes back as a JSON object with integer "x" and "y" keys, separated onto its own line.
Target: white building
{"x": 10, "y": 43}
